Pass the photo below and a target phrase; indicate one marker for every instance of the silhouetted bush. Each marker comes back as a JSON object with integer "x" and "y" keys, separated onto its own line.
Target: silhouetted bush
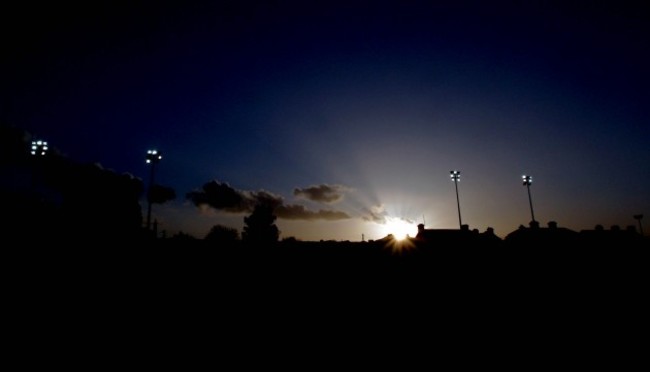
{"x": 222, "y": 235}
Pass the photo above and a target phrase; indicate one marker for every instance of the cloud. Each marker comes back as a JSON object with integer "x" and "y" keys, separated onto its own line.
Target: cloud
{"x": 299, "y": 212}
{"x": 376, "y": 213}
{"x": 321, "y": 193}
{"x": 221, "y": 196}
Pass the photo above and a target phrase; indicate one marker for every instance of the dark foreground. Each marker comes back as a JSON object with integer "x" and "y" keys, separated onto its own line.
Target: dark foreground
{"x": 169, "y": 294}
{"x": 196, "y": 263}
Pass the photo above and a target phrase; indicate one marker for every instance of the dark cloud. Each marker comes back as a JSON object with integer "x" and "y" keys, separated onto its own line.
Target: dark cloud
{"x": 299, "y": 212}
{"x": 223, "y": 197}
{"x": 15, "y": 147}
{"x": 265, "y": 198}
{"x": 159, "y": 194}
{"x": 321, "y": 193}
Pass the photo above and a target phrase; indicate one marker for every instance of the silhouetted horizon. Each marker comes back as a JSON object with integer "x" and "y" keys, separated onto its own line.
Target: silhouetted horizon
{"x": 45, "y": 184}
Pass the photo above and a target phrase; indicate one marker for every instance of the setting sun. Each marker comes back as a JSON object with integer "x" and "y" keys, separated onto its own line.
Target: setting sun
{"x": 399, "y": 228}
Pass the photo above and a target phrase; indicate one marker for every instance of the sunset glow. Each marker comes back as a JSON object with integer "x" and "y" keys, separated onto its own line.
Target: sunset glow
{"x": 399, "y": 228}
{"x": 352, "y": 120}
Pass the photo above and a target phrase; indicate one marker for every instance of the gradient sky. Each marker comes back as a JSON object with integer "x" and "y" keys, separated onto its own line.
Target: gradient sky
{"x": 358, "y": 109}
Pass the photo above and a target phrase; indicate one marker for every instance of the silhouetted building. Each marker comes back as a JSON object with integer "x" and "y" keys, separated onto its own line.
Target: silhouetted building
{"x": 441, "y": 238}
{"x": 612, "y": 238}
{"x": 535, "y": 236}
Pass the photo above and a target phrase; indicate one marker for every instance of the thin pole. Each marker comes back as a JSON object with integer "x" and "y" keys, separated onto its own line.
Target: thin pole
{"x": 153, "y": 167}
{"x": 460, "y": 223}
{"x": 530, "y": 200}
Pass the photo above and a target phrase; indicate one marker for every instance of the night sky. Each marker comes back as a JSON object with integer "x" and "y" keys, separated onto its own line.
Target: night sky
{"x": 350, "y": 115}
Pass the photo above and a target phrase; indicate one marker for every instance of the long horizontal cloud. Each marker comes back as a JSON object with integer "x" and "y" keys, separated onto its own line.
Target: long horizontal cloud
{"x": 299, "y": 212}
{"x": 222, "y": 196}
{"x": 321, "y": 193}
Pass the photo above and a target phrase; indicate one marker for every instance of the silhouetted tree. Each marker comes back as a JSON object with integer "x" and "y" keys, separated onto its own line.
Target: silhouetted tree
{"x": 290, "y": 240}
{"x": 222, "y": 235}
{"x": 260, "y": 227}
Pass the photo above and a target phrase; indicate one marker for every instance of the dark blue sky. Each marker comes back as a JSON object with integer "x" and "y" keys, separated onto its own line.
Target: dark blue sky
{"x": 376, "y": 100}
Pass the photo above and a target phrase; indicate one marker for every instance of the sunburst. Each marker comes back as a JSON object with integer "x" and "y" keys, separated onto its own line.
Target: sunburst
{"x": 398, "y": 231}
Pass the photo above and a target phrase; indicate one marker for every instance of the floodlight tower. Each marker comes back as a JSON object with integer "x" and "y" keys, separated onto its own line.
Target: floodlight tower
{"x": 527, "y": 181}
{"x": 153, "y": 158}
{"x": 455, "y": 176}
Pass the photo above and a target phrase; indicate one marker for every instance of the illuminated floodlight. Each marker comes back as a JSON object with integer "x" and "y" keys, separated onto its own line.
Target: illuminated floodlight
{"x": 455, "y": 176}
{"x": 153, "y": 157}
{"x": 39, "y": 148}
{"x": 527, "y": 181}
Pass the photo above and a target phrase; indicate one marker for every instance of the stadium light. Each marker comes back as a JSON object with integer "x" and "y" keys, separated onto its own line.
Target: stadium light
{"x": 527, "y": 181}
{"x": 455, "y": 176}
{"x": 153, "y": 158}
{"x": 39, "y": 148}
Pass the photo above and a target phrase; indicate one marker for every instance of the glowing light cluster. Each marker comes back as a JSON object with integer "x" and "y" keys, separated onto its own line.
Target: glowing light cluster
{"x": 153, "y": 156}
{"x": 39, "y": 148}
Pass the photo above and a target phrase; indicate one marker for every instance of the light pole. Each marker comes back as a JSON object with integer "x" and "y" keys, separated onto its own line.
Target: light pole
{"x": 153, "y": 158}
{"x": 455, "y": 176}
{"x": 39, "y": 148}
{"x": 528, "y": 180}
{"x": 639, "y": 217}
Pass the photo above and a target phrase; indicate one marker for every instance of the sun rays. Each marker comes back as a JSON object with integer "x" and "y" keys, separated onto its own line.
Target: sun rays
{"x": 399, "y": 233}
{"x": 399, "y": 228}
